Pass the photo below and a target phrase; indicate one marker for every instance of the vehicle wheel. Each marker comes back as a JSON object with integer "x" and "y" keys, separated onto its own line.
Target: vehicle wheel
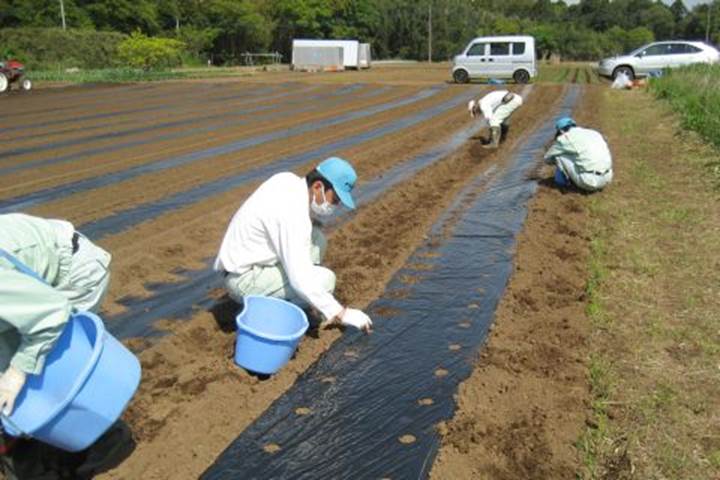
{"x": 626, "y": 70}
{"x": 461, "y": 76}
{"x": 26, "y": 84}
{"x": 521, "y": 76}
{"x": 3, "y": 83}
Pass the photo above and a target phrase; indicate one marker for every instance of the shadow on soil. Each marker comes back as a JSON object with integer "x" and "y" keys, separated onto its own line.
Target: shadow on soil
{"x": 30, "y": 459}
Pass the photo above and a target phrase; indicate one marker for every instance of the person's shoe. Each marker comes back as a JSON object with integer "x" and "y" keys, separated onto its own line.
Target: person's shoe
{"x": 504, "y": 130}
{"x": 494, "y": 138}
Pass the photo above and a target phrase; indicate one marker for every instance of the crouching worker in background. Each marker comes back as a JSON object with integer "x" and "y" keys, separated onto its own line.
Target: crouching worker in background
{"x": 72, "y": 274}
{"x": 581, "y": 156}
{"x": 271, "y": 247}
{"x": 496, "y": 107}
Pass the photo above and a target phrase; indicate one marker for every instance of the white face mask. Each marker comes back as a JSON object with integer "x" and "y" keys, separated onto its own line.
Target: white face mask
{"x": 325, "y": 209}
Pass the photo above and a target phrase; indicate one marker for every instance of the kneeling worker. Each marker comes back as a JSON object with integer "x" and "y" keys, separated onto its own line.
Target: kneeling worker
{"x": 581, "y": 156}
{"x": 496, "y": 107}
{"x": 47, "y": 270}
{"x": 33, "y": 313}
{"x": 271, "y": 247}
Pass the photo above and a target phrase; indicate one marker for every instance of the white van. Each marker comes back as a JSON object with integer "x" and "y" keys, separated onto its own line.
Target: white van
{"x": 511, "y": 56}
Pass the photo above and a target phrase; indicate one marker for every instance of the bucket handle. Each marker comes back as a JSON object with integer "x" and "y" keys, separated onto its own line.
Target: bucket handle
{"x": 12, "y": 424}
{"x": 92, "y": 362}
{"x": 81, "y": 379}
{"x": 275, "y": 338}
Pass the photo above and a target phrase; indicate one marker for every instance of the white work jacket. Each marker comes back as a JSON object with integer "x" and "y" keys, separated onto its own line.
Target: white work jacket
{"x": 273, "y": 227}
{"x": 490, "y": 102}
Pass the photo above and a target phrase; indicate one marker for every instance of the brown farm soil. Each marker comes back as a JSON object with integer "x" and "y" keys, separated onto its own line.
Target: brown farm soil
{"x": 193, "y": 401}
{"x": 525, "y": 405}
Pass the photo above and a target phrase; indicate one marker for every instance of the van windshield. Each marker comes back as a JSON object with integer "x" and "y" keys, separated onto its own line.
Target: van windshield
{"x": 476, "y": 50}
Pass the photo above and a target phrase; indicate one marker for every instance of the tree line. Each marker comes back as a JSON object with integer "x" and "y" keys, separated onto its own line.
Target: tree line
{"x": 224, "y": 29}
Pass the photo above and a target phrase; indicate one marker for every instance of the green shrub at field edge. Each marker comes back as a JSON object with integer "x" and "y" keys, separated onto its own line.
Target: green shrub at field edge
{"x": 694, "y": 92}
{"x": 48, "y": 48}
{"x": 120, "y": 75}
{"x": 150, "y": 53}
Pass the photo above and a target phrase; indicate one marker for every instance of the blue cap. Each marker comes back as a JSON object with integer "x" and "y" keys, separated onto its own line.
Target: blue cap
{"x": 564, "y": 122}
{"x": 342, "y": 176}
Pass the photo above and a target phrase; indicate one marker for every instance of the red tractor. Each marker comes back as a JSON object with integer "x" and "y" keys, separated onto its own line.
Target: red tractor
{"x": 11, "y": 72}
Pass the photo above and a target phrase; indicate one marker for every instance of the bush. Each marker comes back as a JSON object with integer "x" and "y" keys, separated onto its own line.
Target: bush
{"x": 47, "y": 48}
{"x": 694, "y": 92}
{"x": 150, "y": 53}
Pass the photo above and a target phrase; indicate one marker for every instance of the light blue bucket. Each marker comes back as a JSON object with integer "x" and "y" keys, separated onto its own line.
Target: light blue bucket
{"x": 88, "y": 380}
{"x": 269, "y": 330}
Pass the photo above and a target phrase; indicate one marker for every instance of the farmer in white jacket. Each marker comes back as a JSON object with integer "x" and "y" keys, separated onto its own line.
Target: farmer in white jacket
{"x": 496, "y": 107}
{"x": 581, "y": 157}
{"x": 72, "y": 274}
{"x": 271, "y": 247}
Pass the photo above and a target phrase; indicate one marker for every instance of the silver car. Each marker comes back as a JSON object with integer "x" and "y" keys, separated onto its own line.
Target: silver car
{"x": 657, "y": 56}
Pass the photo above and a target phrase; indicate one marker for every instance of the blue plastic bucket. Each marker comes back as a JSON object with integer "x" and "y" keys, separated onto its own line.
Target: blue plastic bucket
{"x": 269, "y": 330}
{"x": 88, "y": 380}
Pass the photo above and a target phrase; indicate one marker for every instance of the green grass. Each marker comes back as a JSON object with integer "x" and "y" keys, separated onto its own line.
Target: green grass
{"x": 679, "y": 215}
{"x": 549, "y": 73}
{"x": 653, "y": 301}
{"x": 565, "y": 72}
{"x": 596, "y": 438}
{"x": 694, "y": 92}
{"x": 598, "y": 273}
{"x": 714, "y": 459}
{"x": 122, "y": 75}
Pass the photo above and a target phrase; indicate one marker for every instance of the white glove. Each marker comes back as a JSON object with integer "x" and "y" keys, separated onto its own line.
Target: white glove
{"x": 356, "y": 318}
{"x": 11, "y": 382}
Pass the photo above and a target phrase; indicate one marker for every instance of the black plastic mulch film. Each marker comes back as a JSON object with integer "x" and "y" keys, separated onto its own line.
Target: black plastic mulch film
{"x": 198, "y": 124}
{"x": 165, "y": 301}
{"x": 178, "y": 300}
{"x": 49, "y": 194}
{"x": 369, "y": 406}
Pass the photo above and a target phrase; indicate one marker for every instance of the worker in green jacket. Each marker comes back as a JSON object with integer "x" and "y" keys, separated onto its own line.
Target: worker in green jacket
{"x": 581, "y": 157}
{"x": 73, "y": 274}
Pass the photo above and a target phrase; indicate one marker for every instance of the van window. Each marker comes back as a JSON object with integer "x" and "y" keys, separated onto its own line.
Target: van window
{"x": 477, "y": 49}
{"x": 500, "y": 48}
{"x": 518, "y": 48}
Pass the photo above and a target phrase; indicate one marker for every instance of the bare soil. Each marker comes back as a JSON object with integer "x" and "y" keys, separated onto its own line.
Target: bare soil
{"x": 364, "y": 254}
{"x": 524, "y": 407}
{"x": 193, "y": 400}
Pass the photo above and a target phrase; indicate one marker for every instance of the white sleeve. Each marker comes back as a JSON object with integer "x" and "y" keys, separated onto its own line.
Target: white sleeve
{"x": 292, "y": 242}
{"x": 487, "y": 110}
